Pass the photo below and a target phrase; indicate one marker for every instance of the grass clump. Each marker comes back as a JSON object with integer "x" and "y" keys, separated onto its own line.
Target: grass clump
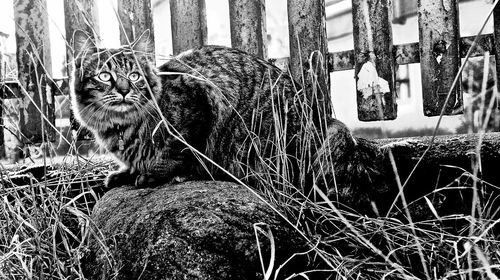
{"x": 44, "y": 220}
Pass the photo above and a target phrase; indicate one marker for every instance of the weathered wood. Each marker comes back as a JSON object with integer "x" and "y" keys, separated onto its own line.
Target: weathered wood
{"x": 339, "y": 61}
{"x": 410, "y": 53}
{"x": 34, "y": 67}
{"x": 309, "y": 49}
{"x": 447, "y": 166}
{"x": 2, "y": 148}
{"x": 189, "y": 24}
{"x": 453, "y": 150}
{"x": 496, "y": 34}
{"x": 135, "y": 18}
{"x": 80, "y": 15}
{"x": 247, "y": 19}
{"x": 439, "y": 56}
{"x": 374, "y": 69}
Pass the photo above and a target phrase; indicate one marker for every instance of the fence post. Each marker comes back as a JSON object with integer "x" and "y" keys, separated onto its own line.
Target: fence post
{"x": 496, "y": 34}
{"x": 135, "y": 18}
{"x": 189, "y": 24}
{"x": 34, "y": 68}
{"x": 439, "y": 55}
{"x": 374, "y": 60}
{"x": 79, "y": 15}
{"x": 2, "y": 81}
{"x": 307, "y": 27}
{"x": 248, "y": 26}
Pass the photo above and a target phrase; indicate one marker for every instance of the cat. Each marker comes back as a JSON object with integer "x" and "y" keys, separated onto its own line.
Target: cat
{"x": 233, "y": 107}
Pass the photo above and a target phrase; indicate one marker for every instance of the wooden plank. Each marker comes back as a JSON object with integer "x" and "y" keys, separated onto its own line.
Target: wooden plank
{"x": 136, "y": 17}
{"x": 2, "y": 147}
{"x": 307, "y": 33}
{"x": 80, "y": 15}
{"x": 247, "y": 19}
{"x": 496, "y": 34}
{"x": 410, "y": 53}
{"x": 189, "y": 24}
{"x": 34, "y": 65}
{"x": 439, "y": 56}
{"x": 374, "y": 69}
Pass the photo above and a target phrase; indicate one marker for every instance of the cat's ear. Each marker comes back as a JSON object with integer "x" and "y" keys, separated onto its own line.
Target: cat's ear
{"x": 143, "y": 44}
{"x": 83, "y": 43}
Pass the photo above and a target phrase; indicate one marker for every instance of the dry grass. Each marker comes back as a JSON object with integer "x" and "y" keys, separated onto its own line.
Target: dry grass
{"x": 45, "y": 225}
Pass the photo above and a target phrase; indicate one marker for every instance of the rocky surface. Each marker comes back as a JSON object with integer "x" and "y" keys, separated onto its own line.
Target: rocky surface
{"x": 191, "y": 230}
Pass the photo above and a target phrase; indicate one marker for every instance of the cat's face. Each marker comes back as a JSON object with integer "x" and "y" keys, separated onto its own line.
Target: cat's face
{"x": 112, "y": 86}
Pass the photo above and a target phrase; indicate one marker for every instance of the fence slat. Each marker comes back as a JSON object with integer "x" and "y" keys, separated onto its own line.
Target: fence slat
{"x": 136, "y": 17}
{"x": 307, "y": 33}
{"x": 34, "y": 64}
{"x": 189, "y": 24}
{"x": 2, "y": 81}
{"x": 439, "y": 55}
{"x": 247, "y": 19}
{"x": 80, "y": 15}
{"x": 374, "y": 69}
{"x": 496, "y": 34}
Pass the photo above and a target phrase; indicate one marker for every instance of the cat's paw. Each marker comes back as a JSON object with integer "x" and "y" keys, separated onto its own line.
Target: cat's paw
{"x": 118, "y": 179}
{"x": 150, "y": 181}
{"x": 147, "y": 181}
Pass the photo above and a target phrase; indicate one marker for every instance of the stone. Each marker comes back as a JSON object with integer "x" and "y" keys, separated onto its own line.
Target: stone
{"x": 190, "y": 230}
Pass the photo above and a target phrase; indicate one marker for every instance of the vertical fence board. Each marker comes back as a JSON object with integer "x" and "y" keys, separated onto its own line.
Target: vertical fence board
{"x": 136, "y": 17}
{"x": 439, "y": 55}
{"x": 189, "y": 24}
{"x": 248, "y": 26}
{"x": 307, "y": 32}
{"x": 2, "y": 81}
{"x": 79, "y": 15}
{"x": 374, "y": 60}
{"x": 496, "y": 34}
{"x": 34, "y": 64}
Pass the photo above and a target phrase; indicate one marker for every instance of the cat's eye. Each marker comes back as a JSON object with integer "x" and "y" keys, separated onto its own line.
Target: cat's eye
{"x": 134, "y": 76}
{"x": 104, "y": 76}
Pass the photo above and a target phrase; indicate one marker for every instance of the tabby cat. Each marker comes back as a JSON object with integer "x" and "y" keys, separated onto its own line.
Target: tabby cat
{"x": 220, "y": 101}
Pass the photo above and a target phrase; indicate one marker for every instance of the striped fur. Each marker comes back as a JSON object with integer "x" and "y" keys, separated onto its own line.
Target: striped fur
{"x": 215, "y": 98}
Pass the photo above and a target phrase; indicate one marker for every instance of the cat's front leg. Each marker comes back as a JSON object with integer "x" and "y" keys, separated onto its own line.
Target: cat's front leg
{"x": 120, "y": 178}
{"x": 166, "y": 170}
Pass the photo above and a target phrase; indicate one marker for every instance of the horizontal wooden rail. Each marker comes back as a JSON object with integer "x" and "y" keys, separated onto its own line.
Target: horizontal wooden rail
{"x": 404, "y": 53}
{"x": 455, "y": 152}
{"x": 337, "y": 61}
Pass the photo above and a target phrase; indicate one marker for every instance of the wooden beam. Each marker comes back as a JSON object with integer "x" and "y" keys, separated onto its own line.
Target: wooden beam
{"x": 496, "y": 34}
{"x": 374, "y": 60}
{"x": 410, "y": 53}
{"x": 309, "y": 50}
{"x": 189, "y": 24}
{"x": 34, "y": 68}
{"x": 136, "y": 17}
{"x": 439, "y": 56}
{"x": 446, "y": 167}
{"x": 247, "y": 19}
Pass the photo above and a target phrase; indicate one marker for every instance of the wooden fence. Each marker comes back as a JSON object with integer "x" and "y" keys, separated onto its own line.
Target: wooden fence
{"x": 439, "y": 50}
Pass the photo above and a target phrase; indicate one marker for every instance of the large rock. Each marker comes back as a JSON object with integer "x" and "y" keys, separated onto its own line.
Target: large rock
{"x": 192, "y": 230}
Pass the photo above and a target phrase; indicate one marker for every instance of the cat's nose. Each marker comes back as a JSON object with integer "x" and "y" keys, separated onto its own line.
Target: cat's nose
{"x": 122, "y": 86}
